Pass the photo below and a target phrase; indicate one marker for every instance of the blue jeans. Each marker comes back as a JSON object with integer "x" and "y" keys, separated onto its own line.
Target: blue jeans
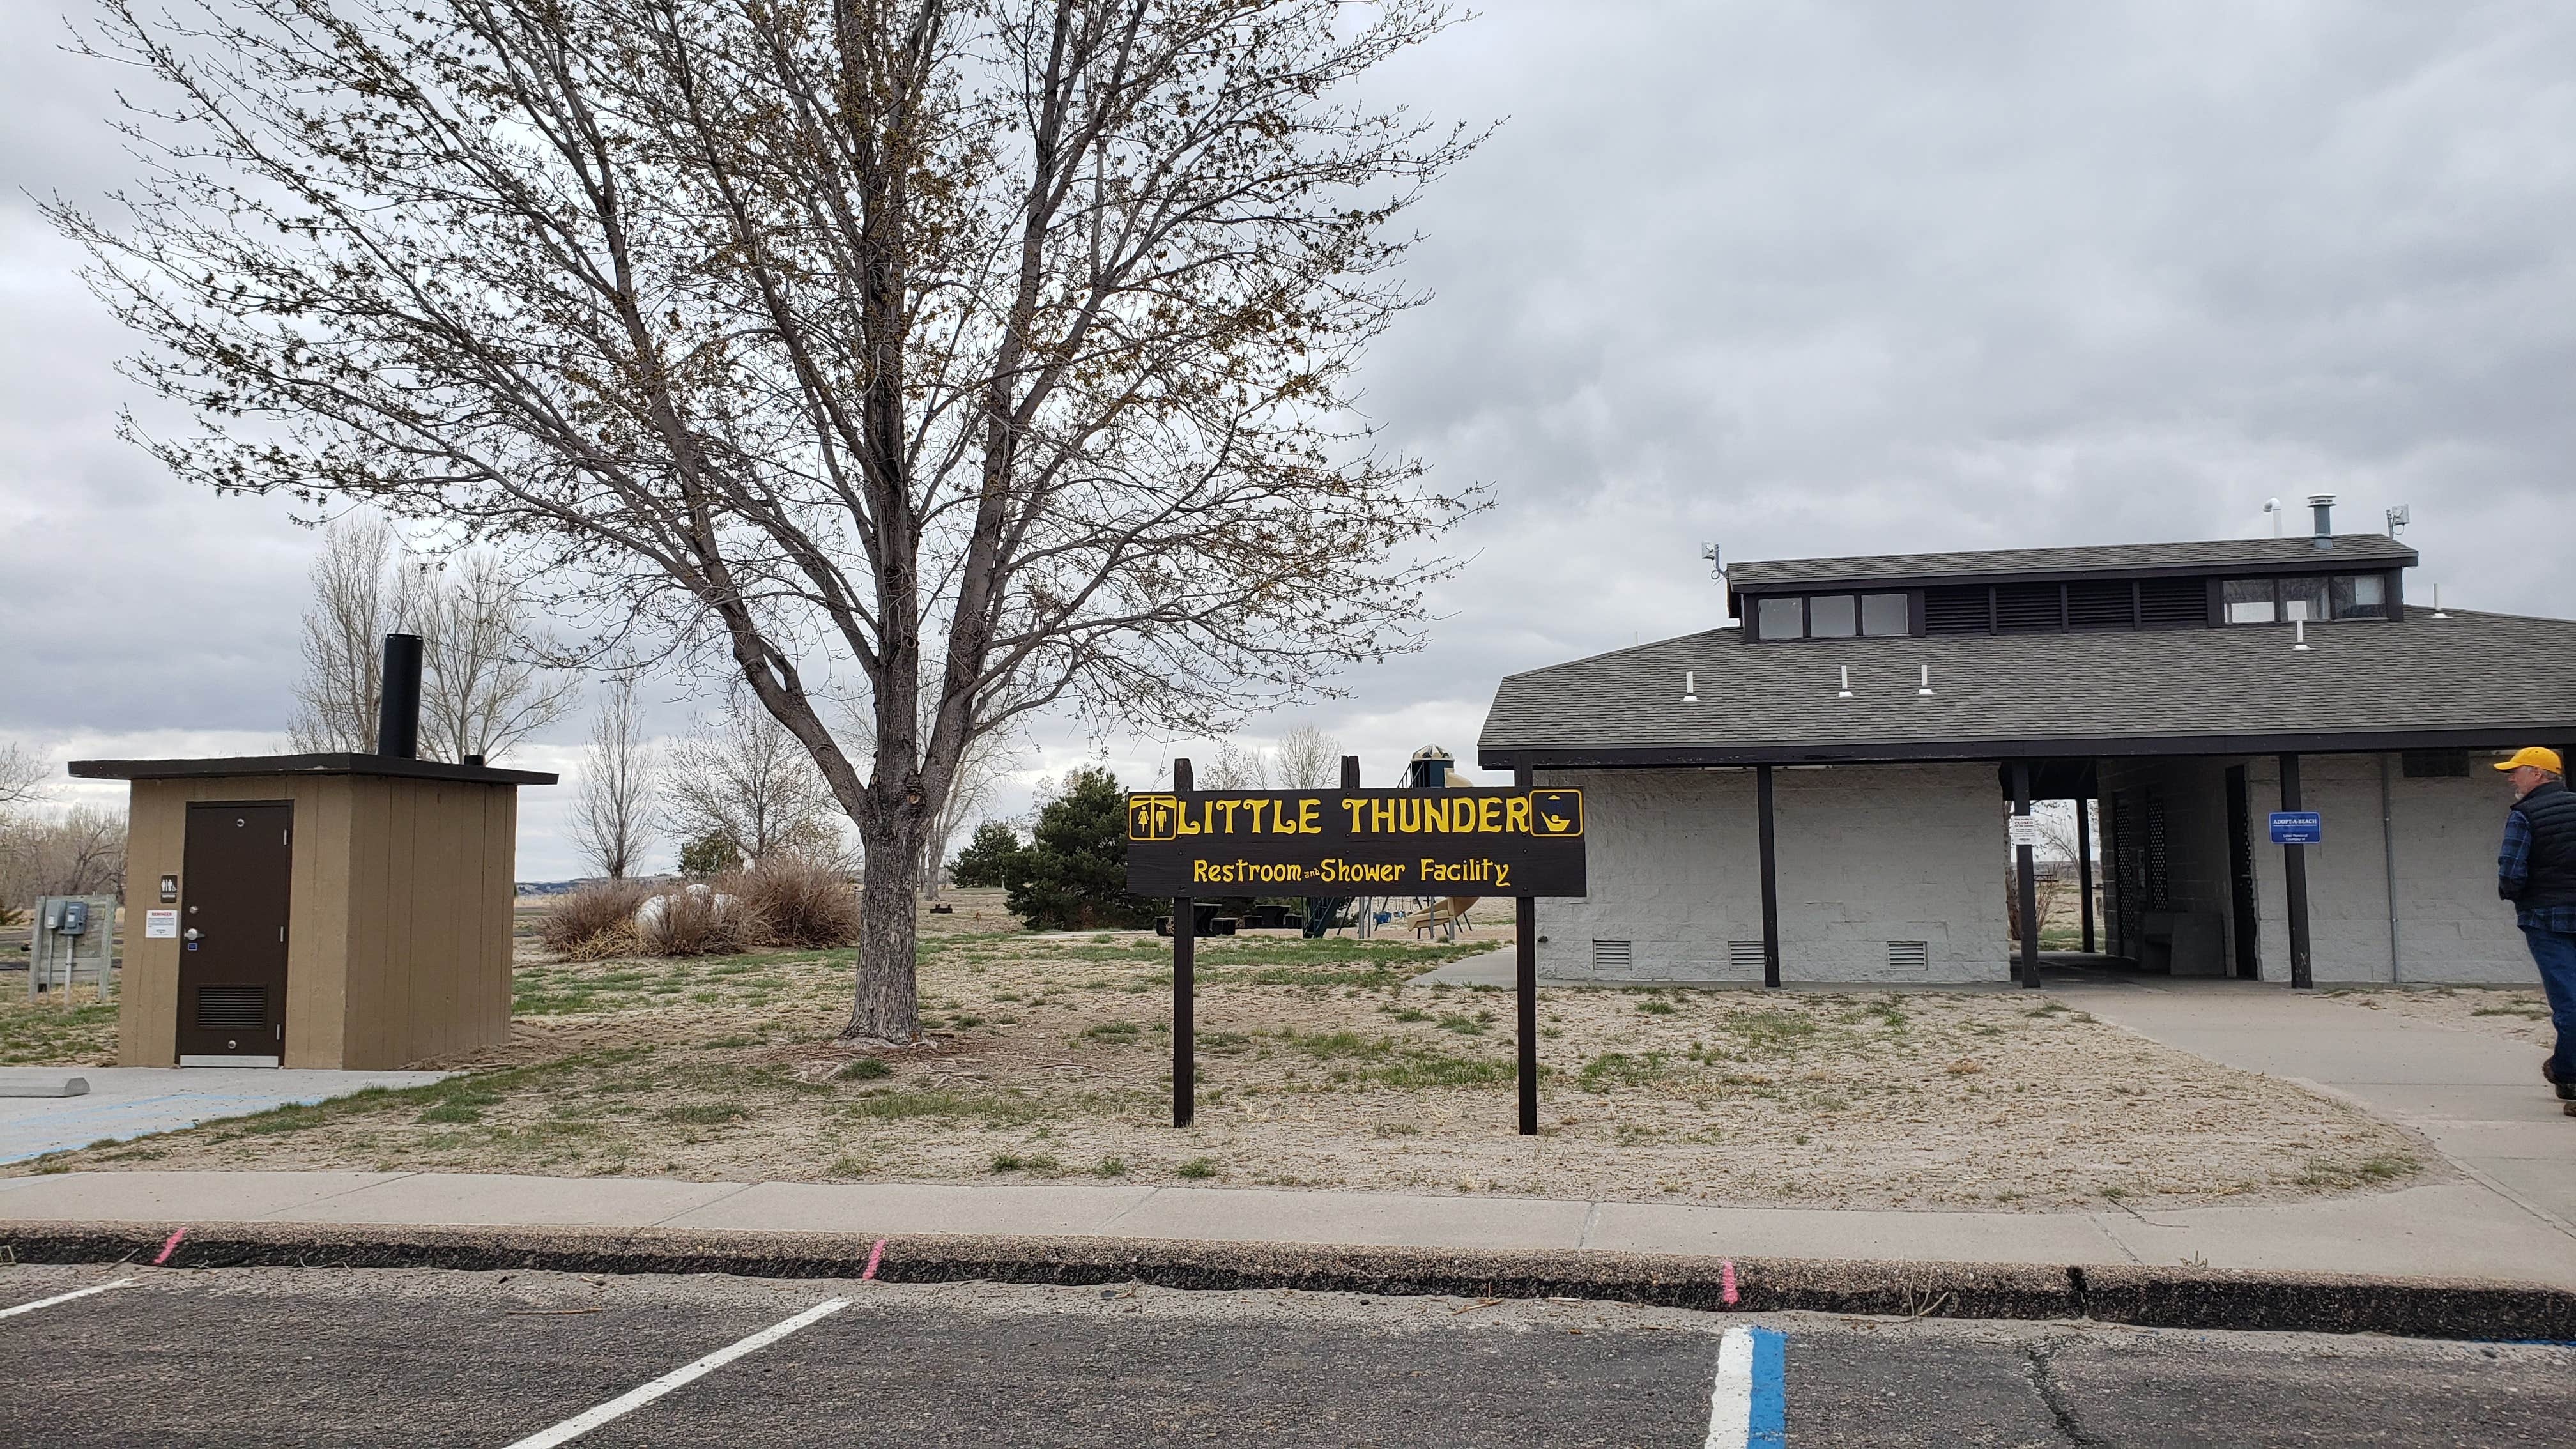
{"x": 2554, "y": 952}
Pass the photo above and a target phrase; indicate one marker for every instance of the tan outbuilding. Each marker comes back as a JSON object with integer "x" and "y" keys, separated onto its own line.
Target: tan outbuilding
{"x": 335, "y": 910}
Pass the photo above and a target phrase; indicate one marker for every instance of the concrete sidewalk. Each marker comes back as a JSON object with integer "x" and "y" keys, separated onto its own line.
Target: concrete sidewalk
{"x": 126, "y": 1102}
{"x": 2477, "y": 1099}
{"x": 2449, "y": 1229}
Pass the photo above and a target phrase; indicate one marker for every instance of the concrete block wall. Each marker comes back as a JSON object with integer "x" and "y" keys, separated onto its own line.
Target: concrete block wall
{"x": 1867, "y": 854}
{"x": 2450, "y": 926}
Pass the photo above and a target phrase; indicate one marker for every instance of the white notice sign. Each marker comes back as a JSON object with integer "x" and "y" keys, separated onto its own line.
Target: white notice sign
{"x": 2024, "y": 829}
{"x": 161, "y": 925}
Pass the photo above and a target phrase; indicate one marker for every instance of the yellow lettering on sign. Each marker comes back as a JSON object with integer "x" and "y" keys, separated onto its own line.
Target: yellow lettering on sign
{"x": 1357, "y": 808}
{"x": 1381, "y": 815}
{"x": 1228, "y": 807}
{"x": 1307, "y": 811}
{"x": 1516, "y": 814}
{"x": 1489, "y": 814}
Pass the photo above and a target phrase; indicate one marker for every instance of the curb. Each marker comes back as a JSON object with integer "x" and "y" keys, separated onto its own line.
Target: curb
{"x": 2197, "y": 1298}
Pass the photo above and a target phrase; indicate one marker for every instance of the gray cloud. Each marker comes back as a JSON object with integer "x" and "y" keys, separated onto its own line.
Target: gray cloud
{"x": 1799, "y": 280}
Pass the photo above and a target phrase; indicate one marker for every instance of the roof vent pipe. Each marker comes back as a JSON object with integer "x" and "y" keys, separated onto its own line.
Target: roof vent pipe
{"x": 2323, "y": 505}
{"x": 1846, "y": 694}
{"x": 398, "y": 705}
{"x": 2300, "y": 629}
{"x": 1690, "y": 686}
{"x": 1926, "y": 690}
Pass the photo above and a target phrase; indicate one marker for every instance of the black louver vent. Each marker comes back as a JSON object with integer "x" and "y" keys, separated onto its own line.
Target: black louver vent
{"x": 2101, "y": 605}
{"x": 232, "y": 1008}
{"x": 1962, "y": 610}
{"x": 2173, "y": 603}
{"x": 2024, "y": 608}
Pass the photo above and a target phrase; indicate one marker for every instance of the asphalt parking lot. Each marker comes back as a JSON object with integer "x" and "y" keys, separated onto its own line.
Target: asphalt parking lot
{"x": 416, "y": 1357}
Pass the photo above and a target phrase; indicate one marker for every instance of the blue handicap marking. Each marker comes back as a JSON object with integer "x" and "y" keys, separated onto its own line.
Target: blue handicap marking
{"x": 1747, "y": 1403}
{"x": 1767, "y": 1427}
{"x": 2297, "y": 827}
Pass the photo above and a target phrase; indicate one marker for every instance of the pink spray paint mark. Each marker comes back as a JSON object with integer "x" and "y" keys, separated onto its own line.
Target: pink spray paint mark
{"x": 876, "y": 1255}
{"x": 169, "y": 1247}
{"x": 1726, "y": 1280}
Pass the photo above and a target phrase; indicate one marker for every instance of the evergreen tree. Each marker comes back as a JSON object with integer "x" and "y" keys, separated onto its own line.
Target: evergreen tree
{"x": 1073, "y": 873}
{"x": 986, "y": 860}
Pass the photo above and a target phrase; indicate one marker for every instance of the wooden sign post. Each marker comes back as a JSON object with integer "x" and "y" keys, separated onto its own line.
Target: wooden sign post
{"x": 1523, "y": 842}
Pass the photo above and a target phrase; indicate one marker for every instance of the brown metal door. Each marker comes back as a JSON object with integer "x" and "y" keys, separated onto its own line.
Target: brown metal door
{"x": 232, "y": 930}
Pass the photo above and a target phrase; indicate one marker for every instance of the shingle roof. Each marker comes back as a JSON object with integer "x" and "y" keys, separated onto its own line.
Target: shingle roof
{"x": 1757, "y": 575}
{"x": 2497, "y": 678}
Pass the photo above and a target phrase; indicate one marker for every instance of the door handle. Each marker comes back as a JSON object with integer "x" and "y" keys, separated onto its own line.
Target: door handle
{"x": 189, "y": 934}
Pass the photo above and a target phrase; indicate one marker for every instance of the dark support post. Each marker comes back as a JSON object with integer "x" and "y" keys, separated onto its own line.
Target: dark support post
{"x": 2084, "y": 865}
{"x": 1525, "y": 983}
{"x": 2026, "y": 904}
{"x": 1770, "y": 877}
{"x": 1185, "y": 949}
{"x": 2294, "y": 880}
{"x": 1350, "y": 772}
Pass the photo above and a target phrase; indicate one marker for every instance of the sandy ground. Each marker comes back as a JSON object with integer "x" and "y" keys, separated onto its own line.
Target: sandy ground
{"x": 2514, "y": 1014}
{"x": 1323, "y": 1065}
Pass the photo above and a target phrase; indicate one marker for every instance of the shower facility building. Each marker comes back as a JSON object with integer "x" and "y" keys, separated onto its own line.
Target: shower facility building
{"x": 1823, "y": 790}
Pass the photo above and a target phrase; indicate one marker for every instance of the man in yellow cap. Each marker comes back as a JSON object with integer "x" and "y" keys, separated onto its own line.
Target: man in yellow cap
{"x": 2537, "y": 872}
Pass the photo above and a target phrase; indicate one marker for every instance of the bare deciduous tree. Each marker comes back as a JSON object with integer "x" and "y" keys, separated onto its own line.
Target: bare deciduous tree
{"x": 980, "y": 772}
{"x": 1236, "y": 768}
{"x": 22, "y": 776}
{"x": 482, "y": 688}
{"x": 613, "y": 809}
{"x": 79, "y": 853}
{"x": 1002, "y": 351}
{"x": 745, "y": 779}
{"x": 361, "y": 593}
{"x": 1307, "y": 759}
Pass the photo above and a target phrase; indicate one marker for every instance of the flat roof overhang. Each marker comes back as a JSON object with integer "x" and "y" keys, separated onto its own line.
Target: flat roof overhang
{"x": 391, "y": 766}
{"x": 2358, "y": 741}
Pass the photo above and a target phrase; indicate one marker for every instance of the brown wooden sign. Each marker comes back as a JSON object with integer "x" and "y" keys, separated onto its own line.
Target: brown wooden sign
{"x": 1452, "y": 842}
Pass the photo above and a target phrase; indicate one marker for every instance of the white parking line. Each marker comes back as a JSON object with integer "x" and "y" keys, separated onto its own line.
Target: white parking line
{"x": 63, "y": 1298}
{"x": 636, "y": 1398}
{"x": 1746, "y": 1402}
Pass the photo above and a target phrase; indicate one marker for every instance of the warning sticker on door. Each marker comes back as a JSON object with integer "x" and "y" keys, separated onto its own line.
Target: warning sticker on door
{"x": 161, "y": 925}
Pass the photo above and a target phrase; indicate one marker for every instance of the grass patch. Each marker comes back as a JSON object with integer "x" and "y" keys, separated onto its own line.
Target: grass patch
{"x": 1196, "y": 1169}
{"x": 865, "y": 1069}
{"x": 2327, "y": 1172}
{"x": 703, "y": 1114}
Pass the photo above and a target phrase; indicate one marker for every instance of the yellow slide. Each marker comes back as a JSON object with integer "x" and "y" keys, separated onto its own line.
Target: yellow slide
{"x": 1446, "y": 914}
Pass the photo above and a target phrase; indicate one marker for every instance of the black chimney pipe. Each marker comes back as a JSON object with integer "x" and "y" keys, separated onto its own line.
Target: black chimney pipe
{"x": 398, "y": 708}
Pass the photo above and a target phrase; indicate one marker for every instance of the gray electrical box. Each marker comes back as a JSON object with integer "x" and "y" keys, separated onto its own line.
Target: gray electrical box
{"x": 74, "y": 941}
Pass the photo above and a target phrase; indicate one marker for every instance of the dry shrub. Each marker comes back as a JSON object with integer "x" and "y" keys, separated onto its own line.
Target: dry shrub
{"x": 801, "y": 904}
{"x": 594, "y": 922}
{"x": 699, "y": 920}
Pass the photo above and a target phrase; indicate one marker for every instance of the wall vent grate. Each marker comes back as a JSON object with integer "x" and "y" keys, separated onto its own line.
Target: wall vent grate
{"x": 1610, "y": 955}
{"x": 232, "y": 1008}
{"x": 1959, "y": 609}
{"x": 2173, "y": 603}
{"x": 1745, "y": 956}
{"x": 2101, "y": 604}
{"x": 2029, "y": 608}
{"x": 1909, "y": 955}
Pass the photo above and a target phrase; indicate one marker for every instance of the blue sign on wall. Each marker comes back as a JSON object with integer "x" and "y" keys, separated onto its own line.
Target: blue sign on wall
{"x": 2297, "y": 827}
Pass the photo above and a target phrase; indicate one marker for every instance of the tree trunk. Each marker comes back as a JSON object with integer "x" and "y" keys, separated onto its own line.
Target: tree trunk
{"x": 887, "y": 1005}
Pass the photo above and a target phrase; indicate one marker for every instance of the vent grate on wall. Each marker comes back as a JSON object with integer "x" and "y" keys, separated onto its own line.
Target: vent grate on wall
{"x": 1745, "y": 956}
{"x": 2435, "y": 764}
{"x": 232, "y": 1008}
{"x": 2172, "y": 603}
{"x": 2101, "y": 604}
{"x": 1959, "y": 609}
{"x": 1610, "y": 955}
{"x": 2024, "y": 608}
{"x": 1909, "y": 955}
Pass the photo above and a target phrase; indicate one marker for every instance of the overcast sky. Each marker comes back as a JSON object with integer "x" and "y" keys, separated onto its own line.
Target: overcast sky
{"x": 1794, "y": 279}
